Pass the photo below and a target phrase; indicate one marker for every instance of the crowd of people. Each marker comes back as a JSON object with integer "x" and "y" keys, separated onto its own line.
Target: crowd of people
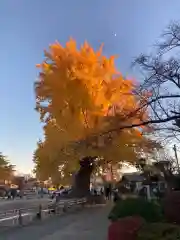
{"x": 108, "y": 192}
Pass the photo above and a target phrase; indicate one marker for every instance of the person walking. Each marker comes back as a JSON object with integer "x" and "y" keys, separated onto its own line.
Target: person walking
{"x": 13, "y": 193}
{"x": 116, "y": 196}
{"x": 102, "y": 191}
{"x": 110, "y": 191}
{"x": 107, "y": 190}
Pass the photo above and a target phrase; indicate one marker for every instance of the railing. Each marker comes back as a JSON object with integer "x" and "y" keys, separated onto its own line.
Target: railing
{"x": 24, "y": 216}
{"x": 30, "y": 194}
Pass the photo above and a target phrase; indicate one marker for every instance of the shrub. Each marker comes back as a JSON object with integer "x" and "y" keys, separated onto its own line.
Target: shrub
{"x": 126, "y": 228}
{"x": 159, "y": 231}
{"x": 150, "y": 211}
{"x": 171, "y": 206}
{"x": 96, "y": 199}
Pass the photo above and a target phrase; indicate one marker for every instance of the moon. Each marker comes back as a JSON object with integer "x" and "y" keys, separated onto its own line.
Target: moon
{"x": 115, "y": 34}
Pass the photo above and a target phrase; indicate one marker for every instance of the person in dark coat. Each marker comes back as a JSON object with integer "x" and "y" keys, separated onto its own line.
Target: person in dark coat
{"x": 13, "y": 193}
{"x": 116, "y": 196}
{"x": 102, "y": 191}
{"x": 107, "y": 192}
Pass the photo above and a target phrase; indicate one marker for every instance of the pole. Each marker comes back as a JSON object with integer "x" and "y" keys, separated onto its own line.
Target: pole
{"x": 176, "y": 157}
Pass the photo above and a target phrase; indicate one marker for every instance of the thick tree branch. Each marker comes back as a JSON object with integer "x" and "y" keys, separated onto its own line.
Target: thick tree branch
{"x": 152, "y": 101}
{"x": 145, "y": 123}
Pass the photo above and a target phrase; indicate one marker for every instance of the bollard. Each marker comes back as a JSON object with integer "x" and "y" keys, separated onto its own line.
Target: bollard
{"x": 39, "y": 214}
{"x": 83, "y": 203}
{"x": 65, "y": 208}
{"x": 55, "y": 208}
{"x": 58, "y": 209}
{"x": 20, "y": 217}
{"x": 16, "y": 212}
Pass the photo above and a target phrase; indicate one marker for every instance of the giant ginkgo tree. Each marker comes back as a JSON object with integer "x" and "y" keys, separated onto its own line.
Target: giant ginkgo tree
{"x": 81, "y": 97}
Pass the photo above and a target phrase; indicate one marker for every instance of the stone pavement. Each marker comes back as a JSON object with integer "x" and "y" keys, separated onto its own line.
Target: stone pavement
{"x": 6, "y": 205}
{"x": 86, "y": 224}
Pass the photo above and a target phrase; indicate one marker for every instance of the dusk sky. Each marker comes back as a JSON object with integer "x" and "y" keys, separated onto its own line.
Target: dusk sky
{"x": 28, "y": 27}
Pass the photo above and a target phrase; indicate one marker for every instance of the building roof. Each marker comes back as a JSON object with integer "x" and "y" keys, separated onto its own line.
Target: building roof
{"x": 133, "y": 177}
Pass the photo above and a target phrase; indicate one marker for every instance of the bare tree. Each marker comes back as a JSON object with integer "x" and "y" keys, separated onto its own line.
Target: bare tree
{"x": 161, "y": 73}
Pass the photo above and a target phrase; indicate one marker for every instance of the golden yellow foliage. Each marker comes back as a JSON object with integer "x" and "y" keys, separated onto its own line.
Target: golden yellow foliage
{"x": 76, "y": 88}
{"x": 79, "y": 95}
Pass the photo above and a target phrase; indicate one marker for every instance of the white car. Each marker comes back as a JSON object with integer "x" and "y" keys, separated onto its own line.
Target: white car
{"x": 61, "y": 192}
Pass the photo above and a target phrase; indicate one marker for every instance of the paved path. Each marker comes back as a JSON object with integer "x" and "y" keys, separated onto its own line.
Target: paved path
{"x": 21, "y": 203}
{"x": 87, "y": 224}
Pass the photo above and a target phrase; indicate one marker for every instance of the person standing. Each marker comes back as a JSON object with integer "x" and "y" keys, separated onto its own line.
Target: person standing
{"x": 116, "y": 196}
{"x": 107, "y": 192}
{"x": 110, "y": 191}
{"x": 13, "y": 193}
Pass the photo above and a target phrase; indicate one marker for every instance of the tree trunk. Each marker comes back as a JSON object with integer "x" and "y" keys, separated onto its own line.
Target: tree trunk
{"x": 81, "y": 181}
{"x": 81, "y": 184}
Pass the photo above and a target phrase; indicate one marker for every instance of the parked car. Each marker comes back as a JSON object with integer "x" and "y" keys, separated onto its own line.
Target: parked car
{"x": 61, "y": 192}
